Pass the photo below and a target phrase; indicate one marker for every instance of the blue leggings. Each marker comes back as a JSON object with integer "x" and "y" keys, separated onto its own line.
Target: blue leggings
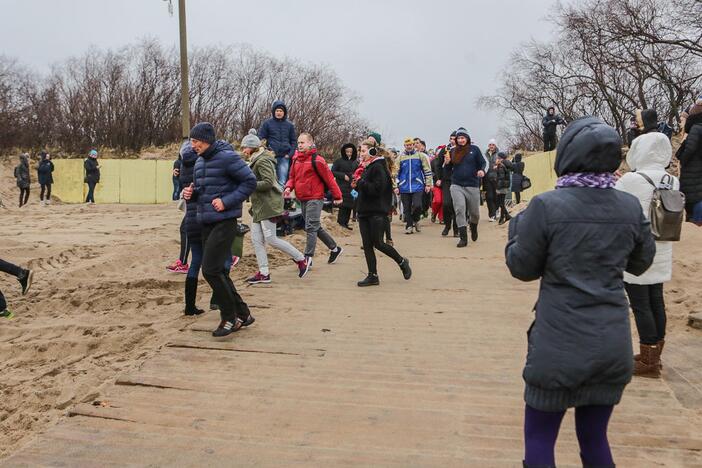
{"x": 541, "y": 432}
{"x": 196, "y": 259}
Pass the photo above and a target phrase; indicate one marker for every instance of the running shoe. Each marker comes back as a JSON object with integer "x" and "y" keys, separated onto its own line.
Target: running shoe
{"x": 303, "y": 266}
{"x": 249, "y": 321}
{"x": 7, "y": 314}
{"x": 182, "y": 268}
{"x": 174, "y": 266}
{"x": 235, "y": 260}
{"x": 259, "y": 278}
{"x": 309, "y": 262}
{"x": 26, "y": 281}
{"x": 409, "y": 230}
{"x": 334, "y": 254}
{"x": 226, "y": 328}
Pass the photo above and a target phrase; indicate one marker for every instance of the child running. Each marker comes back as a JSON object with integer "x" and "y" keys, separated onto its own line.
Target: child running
{"x": 374, "y": 202}
{"x": 266, "y": 206}
{"x": 310, "y": 178}
{"x": 579, "y": 353}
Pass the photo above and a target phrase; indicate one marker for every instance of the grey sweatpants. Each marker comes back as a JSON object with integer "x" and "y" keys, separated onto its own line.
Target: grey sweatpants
{"x": 312, "y": 212}
{"x": 466, "y": 197}
{"x": 264, "y": 233}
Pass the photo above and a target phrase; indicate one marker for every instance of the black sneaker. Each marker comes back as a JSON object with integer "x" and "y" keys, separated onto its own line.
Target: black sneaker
{"x": 405, "y": 267}
{"x": 195, "y": 311}
{"x": 214, "y": 306}
{"x": 226, "y": 328}
{"x": 446, "y": 230}
{"x": 473, "y": 232}
{"x": 26, "y": 281}
{"x": 416, "y": 227}
{"x": 249, "y": 321}
{"x": 334, "y": 254}
{"x": 371, "y": 280}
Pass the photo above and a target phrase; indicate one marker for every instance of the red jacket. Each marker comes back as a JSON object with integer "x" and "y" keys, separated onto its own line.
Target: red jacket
{"x": 305, "y": 181}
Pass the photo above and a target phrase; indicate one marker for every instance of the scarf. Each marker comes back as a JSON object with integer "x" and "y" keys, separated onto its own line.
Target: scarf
{"x": 587, "y": 179}
{"x": 458, "y": 153}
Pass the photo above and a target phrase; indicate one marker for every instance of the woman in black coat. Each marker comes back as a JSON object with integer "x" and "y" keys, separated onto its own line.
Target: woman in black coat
{"x": 92, "y": 175}
{"x": 690, "y": 156}
{"x": 580, "y": 351}
{"x": 517, "y": 177}
{"x": 343, "y": 169}
{"x": 46, "y": 179}
{"x": 374, "y": 202}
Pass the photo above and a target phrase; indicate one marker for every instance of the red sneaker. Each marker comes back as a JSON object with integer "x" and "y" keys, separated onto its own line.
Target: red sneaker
{"x": 235, "y": 260}
{"x": 174, "y": 266}
{"x": 303, "y": 266}
{"x": 182, "y": 268}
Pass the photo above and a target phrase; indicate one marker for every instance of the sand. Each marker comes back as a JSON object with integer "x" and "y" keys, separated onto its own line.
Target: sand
{"x": 103, "y": 304}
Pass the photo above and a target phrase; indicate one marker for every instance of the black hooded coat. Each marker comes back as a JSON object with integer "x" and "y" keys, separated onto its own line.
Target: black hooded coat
{"x": 345, "y": 166}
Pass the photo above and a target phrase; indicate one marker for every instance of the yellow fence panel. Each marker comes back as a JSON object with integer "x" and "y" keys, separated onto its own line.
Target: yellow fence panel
{"x": 107, "y": 191}
{"x": 539, "y": 168}
{"x": 164, "y": 181}
{"x": 68, "y": 180}
{"x": 137, "y": 182}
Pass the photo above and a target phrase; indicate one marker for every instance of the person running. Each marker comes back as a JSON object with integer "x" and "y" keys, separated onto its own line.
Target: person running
{"x": 343, "y": 168}
{"x": 266, "y": 207}
{"x": 92, "y": 175}
{"x": 310, "y": 178}
{"x": 375, "y": 190}
{"x": 222, "y": 181}
{"x": 503, "y": 169}
{"x": 23, "y": 179}
{"x": 181, "y": 265}
{"x": 176, "y": 178}
{"x": 414, "y": 178}
{"x": 468, "y": 166}
{"x": 24, "y": 277}
{"x": 46, "y": 178}
{"x": 281, "y": 138}
{"x": 690, "y": 156}
{"x": 550, "y": 122}
{"x": 648, "y": 157}
{"x": 517, "y": 177}
{"x": 579, "y": 352}
{"x": 191, "y": 230}
{"x": 490, "y": 180}
{"x": 444, "y": 175}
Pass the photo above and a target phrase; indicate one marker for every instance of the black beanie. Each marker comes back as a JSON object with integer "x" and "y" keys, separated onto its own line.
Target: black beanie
{"x": 462, "y": 132}
{"x": 204, "y": 131}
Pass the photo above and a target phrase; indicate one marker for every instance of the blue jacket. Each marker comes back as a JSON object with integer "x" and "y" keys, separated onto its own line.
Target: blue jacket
{"x": 187, "y": 168}
{"x": 279, "y": 133}
{"x": 414, "y": 173}
{"x": 221, "y": 173}
{"x": 44, "y": 171}
{"x": 465, "y": 173}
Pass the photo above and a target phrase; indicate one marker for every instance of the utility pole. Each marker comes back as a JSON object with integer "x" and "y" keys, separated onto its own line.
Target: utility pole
{"x": 184, "y": 86}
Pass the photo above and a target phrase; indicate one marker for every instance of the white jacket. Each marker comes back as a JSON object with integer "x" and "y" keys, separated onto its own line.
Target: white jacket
{"x": 650, "y": 154}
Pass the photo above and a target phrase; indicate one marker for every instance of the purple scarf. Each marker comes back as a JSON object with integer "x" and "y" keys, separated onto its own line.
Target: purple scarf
{"x": 587, "y": 179}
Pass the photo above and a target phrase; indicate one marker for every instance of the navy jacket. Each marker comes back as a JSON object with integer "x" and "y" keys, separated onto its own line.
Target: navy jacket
{"x": 221, "y": 173}
{"x": 44, "y": 172}
{"x": 579, "y": 241}
{"x": 187, "y": 168}
{"x": 465, "y": 174}
{"x": 690, "y": 156}
{"x": 279, "y": 133}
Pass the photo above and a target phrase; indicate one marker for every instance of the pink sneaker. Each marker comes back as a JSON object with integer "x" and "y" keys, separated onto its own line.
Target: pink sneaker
{"x": 235, "y": 260}
{"x": 182, "y": 269}
{"x": 303, "y": 266}
{"x": 259, "y": 278}
{"x": 174, "y": 266}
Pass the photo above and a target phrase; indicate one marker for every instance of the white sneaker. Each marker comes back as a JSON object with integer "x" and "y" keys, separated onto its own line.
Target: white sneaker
{"x": 493, "y": 219}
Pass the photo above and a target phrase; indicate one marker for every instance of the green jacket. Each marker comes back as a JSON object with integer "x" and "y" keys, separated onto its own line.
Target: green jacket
{"x": 267, "y": 199}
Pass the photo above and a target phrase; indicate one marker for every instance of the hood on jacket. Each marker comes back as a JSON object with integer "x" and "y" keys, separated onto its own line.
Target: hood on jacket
{"x": 647, "y": 119}
{"x": 279, "y": 104}
{"x": 304, "y": 156}
{"x": 518, "y": 157}
{"x": 354, "y": 155}
{"x": 650, "y": 151}
{"x": 588, "y": 145}
{"x": 188, "y": 154}
{"x": 24, "y": 159}
{"x": 216, "y": 147}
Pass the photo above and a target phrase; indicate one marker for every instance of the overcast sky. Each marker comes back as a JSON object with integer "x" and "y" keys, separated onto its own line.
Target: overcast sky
{"x": 418, "y": 65}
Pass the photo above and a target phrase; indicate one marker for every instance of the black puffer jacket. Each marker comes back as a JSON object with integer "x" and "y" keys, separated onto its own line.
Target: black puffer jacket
{"x": 579, "y": 241}
{"x": 517, "y": 173}
{"x": 187, "y": 167}
{"x": 374, "y": 190}
{"x": 92, "y": 171}
{"x": 690, "y": 156}
{"x": 444, "y": 174}
{"x": 345, "y": 166}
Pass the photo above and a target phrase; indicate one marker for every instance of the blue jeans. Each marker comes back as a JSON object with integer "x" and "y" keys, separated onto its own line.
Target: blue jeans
{"x": 91, "y": 192}
{"x": 195, "y": 259}
{"x": 282, "y": 168}
{"x": 176, "y": 188}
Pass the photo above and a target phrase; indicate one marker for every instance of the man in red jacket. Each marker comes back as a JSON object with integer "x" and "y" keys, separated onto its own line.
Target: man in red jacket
{"x": 310, "y": 178}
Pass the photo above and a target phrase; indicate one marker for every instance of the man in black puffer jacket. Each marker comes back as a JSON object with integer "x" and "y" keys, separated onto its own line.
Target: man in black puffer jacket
{"x": 690, "y": 156}
{"x": 222, "y": 181}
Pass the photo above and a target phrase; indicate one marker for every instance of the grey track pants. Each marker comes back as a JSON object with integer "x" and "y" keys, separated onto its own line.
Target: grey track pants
{"x": 312, "y": 212}
{"x": 466, "y": 197}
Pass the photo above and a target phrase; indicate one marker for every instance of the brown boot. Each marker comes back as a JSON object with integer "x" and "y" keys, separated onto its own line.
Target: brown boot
{"x": 661, "y": 344}
{"x": 648, "y": 365}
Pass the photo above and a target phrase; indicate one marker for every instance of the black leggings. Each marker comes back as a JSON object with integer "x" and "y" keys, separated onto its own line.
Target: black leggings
{"x": 184, "y": 244}
{"x": 550, "y": 141}
{"x": 491, "y": 197}
{"x": 217, "y": 242}
{"x": 517, "y": 197}
{"x": 388, "y": 228}
{"x": 649, "y": 311}
{"x": 372, "y": 230}
{"x": 23, "y": 196}
{"x": 501, "y": 198}
{"x": 45, "y": 188}
{"x": 344, "y": 216}
{"x": 10, "y": 269}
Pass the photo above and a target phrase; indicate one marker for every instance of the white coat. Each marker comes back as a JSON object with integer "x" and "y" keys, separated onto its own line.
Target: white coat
{"x": 649, "y": 154}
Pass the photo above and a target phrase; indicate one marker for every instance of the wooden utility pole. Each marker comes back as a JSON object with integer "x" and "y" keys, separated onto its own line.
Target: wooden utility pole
{"x": 184, "y": 86}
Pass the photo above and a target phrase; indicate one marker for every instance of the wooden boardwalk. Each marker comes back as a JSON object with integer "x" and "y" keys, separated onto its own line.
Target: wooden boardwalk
{"x": 424, "y": 372}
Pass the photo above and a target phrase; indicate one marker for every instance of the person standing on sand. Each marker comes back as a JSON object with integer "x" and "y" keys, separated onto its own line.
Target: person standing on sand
{"x": 648, "y": 157}
{"x": 310, "y": 178}
{"x": 23, "y": 179}
{"x": 343, "y": 169}
{"x": 222, "y": 182}
{"x": 24, "y": 277}
{"x": 467, "y": 166}
{"x": 266, "y": 207}
{"x": 579, "y": 352}
{"x": 92, "y": 175}
{"x": 374, "y": 203}
{"x": 45, "y": 175}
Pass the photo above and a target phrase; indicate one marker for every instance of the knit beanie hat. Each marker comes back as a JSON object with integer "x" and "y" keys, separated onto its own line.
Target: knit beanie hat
{"x": 251, "y": 140}
{"x": 453, "y": 133}
{"x": 376, "y": 136}
{"x": 462, "y": 132}
{"x": 492, "y": 142}
{"x": 502, "y": 155}
{"x": 409, "y": 141}
{"x": 93, "y": 153}
{"x": 204, "y": 131}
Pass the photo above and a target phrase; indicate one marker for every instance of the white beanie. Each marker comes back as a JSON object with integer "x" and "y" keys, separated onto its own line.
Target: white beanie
{"x": 492, "y": 142}
{"x": 251, "y": 140}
